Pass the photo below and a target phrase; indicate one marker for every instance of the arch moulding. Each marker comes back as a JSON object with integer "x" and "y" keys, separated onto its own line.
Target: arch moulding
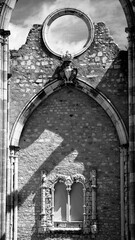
{"x": 57, "y": 85}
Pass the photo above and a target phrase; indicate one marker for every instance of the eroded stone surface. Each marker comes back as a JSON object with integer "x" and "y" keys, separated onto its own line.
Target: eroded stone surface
{"x": 101, "y": 66}
{"x": 69, "y": 131}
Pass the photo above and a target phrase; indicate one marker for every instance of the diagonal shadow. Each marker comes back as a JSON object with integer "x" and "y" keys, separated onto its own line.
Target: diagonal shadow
{"x": 67, "y": 148}
{"x": 68, "y": 144}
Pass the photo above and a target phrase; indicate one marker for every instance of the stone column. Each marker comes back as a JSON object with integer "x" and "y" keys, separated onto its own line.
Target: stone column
{"x": 3, "y": 128}
{"x": 93, "y": 177}
{"x": 12, "y": 201}
{"x": 131, "y": 111}
{"x": 124, "y": 192}
{"x": 43, "y": 202}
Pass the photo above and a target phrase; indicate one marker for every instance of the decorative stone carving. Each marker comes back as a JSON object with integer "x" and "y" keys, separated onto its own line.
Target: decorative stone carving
{"x": 43, "y": 186}
{"x": 89, "y": 223}
{"x": 66, "y": 72}
{"x": 68, "y": 183}
{"x": 94, "y": 201}
{"x": 94, "y": 228}
{"x": 79, "y": 178}
{"x": 43, "y": 177}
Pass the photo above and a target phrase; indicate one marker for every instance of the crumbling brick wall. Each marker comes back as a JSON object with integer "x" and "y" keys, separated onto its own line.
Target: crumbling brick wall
{"x": 103, "y": 65}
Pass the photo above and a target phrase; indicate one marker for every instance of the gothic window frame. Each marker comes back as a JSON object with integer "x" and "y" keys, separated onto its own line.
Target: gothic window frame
{"x": 47, "y": 221}
{"x": 69, "y": 224}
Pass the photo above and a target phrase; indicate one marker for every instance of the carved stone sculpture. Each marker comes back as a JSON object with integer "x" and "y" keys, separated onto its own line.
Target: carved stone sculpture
{"x": 66, "y": 72}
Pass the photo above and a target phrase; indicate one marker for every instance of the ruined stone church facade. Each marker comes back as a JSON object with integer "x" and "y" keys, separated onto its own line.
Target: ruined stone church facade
{"x": 67, "y": 137}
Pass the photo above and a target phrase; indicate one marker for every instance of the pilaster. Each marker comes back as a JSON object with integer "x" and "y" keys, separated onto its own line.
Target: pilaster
{"x": 131, "y": 108}
{"x": 124, "y": 192}
{"x": 93, "y": 177}
{"x": 12, "y": 190}
{"x": 3, "y": 128}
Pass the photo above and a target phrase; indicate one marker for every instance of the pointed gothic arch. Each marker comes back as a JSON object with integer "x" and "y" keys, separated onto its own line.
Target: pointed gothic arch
{"x": 107, "y": 106}
{"x": 84, "y": 87}
{"x": 6, "y": 8}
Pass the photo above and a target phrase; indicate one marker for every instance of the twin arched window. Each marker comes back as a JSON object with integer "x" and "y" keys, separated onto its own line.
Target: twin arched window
{"x": 68, "y": 204}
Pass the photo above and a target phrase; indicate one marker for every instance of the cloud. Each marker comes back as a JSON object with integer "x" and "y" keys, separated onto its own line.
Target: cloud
{"x": 18, "y": 33}
{"x": 72, "y": 47}
{"x": 111, "y": 13}
{"x": 18, "y": 36}
{"x": 20, "y": 28}
{"x": 107, "y": 11}
{"x": 69, "y": 29}
{"x": 64, "y": 34}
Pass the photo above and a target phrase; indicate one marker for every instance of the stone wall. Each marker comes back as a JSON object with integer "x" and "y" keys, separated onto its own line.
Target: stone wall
{"x": 103, "y": 65}
{"x": 69, "y": 132}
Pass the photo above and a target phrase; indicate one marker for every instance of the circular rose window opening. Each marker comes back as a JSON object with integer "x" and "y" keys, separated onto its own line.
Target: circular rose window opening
{"x": 69, "y": 30}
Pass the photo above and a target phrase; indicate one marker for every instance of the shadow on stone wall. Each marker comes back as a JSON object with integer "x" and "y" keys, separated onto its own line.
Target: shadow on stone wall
{"x": 65, "y": 127}
{"x": 114, "y": 84}
{"x": 68, "y": 131}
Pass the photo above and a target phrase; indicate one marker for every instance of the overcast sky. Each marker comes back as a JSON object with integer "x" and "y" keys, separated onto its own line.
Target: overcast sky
{"x": 29, "y": 12}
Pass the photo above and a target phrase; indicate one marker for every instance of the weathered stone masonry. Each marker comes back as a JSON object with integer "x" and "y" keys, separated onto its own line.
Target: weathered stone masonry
{"x": 69, "y": 131}
{"x": 32, "y": 68}
{"x": 55, "y": 140}
{"x": 6, "y": 8}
